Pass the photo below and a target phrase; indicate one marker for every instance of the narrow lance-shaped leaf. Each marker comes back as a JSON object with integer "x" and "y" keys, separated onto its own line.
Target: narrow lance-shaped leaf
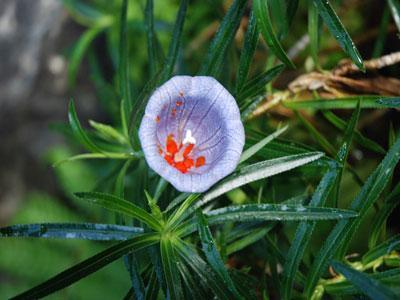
{"x": 304, "y": 231}
{"x": 260, "y": 8}
{"x": 390, "y": 203}
{"x": 343, "y": 288}
{"x": 85, "y": 231}
{"x": 212, "y": 254}
{"x": 171, "y": 273}
{"x": 256, "y": 85}
{"x": 258, "y": 171}
{"x": 342, "y": 233}
{"x": 394, "y": 6}
{"x": 248, "y": 153}
{"x": 343, "y": 153}
{"x": 119, "y": 205}
{"x": 175, "y": 41}
{"x": 212, "y": 65}
{"x": 313, "y": 31}
{"x": 78, "y": 131}
{"x": 268, "y": 212}
{"x": 152, "y": 41}
{"x": 366, "y": 285}
{"x": 344, "y": 103}
{"x": 88, "y": 266}
{"x": 336, "y": 28}
{"x": 79, "y": 51}
{"x": 358, "y": 137}
{"x": 248, "y": 49}
{"x": 386, "y": 247}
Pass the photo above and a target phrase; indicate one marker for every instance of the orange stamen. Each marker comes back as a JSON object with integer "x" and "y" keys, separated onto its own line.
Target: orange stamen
{"x": 178, "y": 103}
{"x": 188, "y": 149}
{"x": 172, "y": 148}
{"x": 158, "y": 119}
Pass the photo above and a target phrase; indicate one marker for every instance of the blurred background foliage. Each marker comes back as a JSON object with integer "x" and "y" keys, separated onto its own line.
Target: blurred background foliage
{"x": 95, "y": 55}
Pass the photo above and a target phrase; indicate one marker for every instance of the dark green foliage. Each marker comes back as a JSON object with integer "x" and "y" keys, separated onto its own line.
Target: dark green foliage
{"x": 285, "y": 217}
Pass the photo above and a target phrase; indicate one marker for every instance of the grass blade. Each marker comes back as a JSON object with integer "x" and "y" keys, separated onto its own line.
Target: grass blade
{"x": 342, "y": 233}
{"x": 212, "y": 254}
{"x": 119, "y": 205}
{"x": 88, "y": 266}
{"x": 389, "y": 102}
{"x": 226, "y": 32}
{"x": 85, "y": 231}
{"x": 175, "y": 41}
{"x": 314, "y": 25}
{"x": 366, "y": 285}
{"x": 304, "y": 231}
{"x": 260, "y": 8}
{"x": 336, "y": 28}
{"x": 248, "y": 49}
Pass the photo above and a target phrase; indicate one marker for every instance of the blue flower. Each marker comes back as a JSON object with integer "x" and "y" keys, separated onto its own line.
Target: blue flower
{"x": 191, "y": 133}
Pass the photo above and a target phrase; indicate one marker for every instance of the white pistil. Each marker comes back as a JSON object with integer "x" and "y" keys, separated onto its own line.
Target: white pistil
{"x": 189, "y": 139}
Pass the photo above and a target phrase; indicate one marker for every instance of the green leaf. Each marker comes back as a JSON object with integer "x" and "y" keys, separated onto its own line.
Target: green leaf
{"x": 79, "y": 51}
{"x": 336, "y": 28}
{"x": 99, "y": 156}
{"x": 258, "y": 171}
{"x": 341, "y": 156}
{"x": 342, "y": 233}
{"x": 89, "y": 266}
{"x": 314, "y": 25}
{"x": 179, "y": 214}
{"x": 247, "y": 240}
{"x": 202, "y": 270}
{"x": 85, "y": 231}
{"x": 120, "y": 205}
{"x": 279, "y": 13}
{"x": 212, "y": 64}
{"x": 358, "y": 137}
{"x": 84, "y": 13}
{"x": 394, "y": 6}
{"x": 212, "y": 254}
{"x": 366, "y": 285}
{"x": 170, "y": 261}
{"x": 78, "y": 131}
{"x": 343, "y": 103}
{"x": 249, "y": 46}
{"x": 124, "y": 68}
{"x": 390, "y": 203}
{"x": 347, "y": 288}
{"x": 260, "y": 8}
{"x": 276, "y": 212}
{"x": 153, "y": 45}
{"x": 389, "y": 102}
{"x": 108, "y": 132}
{"x": 385, "y": 248}
{"x": 248, "y": 153}
{"x": 256, "y": 85}
{"x": 175, "y": 41}
{"x": 322, "y": 141}
{"x": 292, "y": 6}
{"x": 304, "y": 231}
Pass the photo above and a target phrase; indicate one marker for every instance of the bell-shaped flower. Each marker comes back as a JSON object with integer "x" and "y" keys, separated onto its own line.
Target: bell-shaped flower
{"x": 191, "y": 133}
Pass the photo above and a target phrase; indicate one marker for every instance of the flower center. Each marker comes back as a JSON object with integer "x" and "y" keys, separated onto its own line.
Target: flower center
{"x": 181, "y": 157}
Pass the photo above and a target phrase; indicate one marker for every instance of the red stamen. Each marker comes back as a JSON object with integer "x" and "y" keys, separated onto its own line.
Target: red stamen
{"x": 178, "y": 103}
{"x": 158, "y": 119}
{"x": 174, "y": 112}
{"x": 188, "y": 162}
{"x": 201, "y": 160}
{"x": 188, "y": 149}
{"x": 172, "y": 148}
